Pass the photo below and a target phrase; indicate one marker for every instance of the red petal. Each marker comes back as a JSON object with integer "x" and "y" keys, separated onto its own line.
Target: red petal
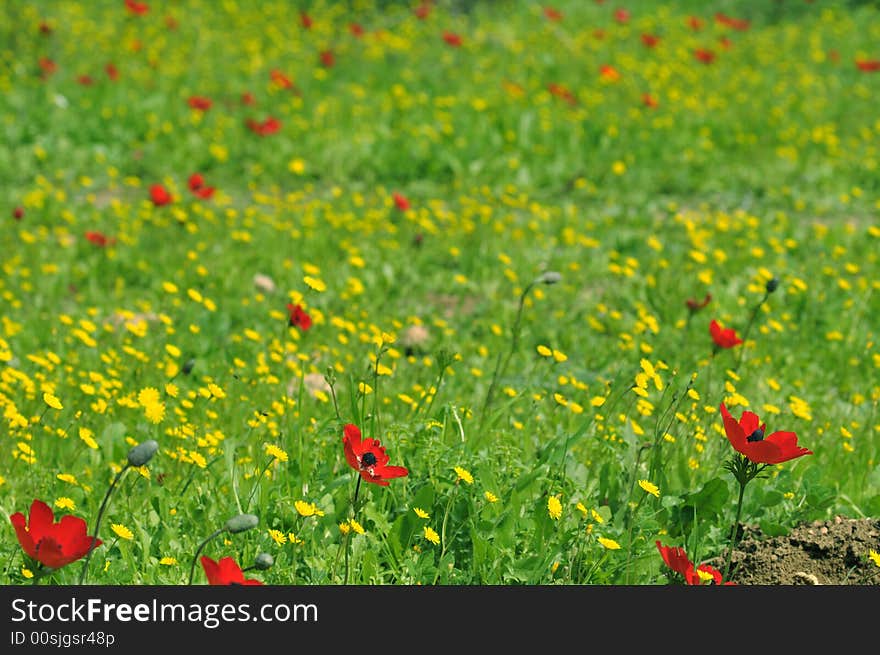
{"x": 352, "y": 446}
{"x": 749, "y": 422}
{"x": 388, "y": 472}
{"x": 734, "y": 431}
{"x": 230, "y": 572}
{"x": 24, "y": 537}
{"x": 375, "y": 480}
{"x": 212, "y": 570}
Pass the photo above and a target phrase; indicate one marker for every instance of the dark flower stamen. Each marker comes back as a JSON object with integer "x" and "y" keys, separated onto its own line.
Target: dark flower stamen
{"x": 368, "y": 459}
{"x": 757, "y": 435}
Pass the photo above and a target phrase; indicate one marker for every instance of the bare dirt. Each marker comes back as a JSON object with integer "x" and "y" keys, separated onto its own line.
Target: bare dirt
{"x": 833, "y": 552}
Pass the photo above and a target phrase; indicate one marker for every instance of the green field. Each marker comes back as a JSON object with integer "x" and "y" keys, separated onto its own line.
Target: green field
{"x": 507, "y": 228}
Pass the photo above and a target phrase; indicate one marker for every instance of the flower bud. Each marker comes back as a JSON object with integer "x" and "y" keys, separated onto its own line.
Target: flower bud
{"x": 263, "y": 561}
{"x": 548, "y": 277}
{"x": 187, "y": 367}
{"x": 143, "y": 452}
{"x": 772, "y": 284}
{"x": 241, "y": 523}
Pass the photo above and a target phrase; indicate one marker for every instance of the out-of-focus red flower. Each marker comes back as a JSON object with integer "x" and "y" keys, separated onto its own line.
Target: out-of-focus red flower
{"x": 18, "y": 213}
{"x": 552, "y": 14}
{"x": 695, "y": 23}
{"x": 747, "y": 438}
{"x": 160, "y": 195}
{"x": 738, "y": 24}
{"x": 609, "y": 73}
{"x": 328, "y": 59}
{"x": 452, "y": 39}
{"x": 650, "y": 40}
{"x": 47, "y": 66}
{"x": 280, "y": 80}
{"x": 247, "y": 98}
{"x": 45, "y": 28}
{"x": 696, "y": 305}
{"x": 297, "y": 317}
{"x": 649, "y": 101}
{"x": 197, "y": 185}
{"x": 368, "y": 457}
{"x": 305, "y": 20}
{"x": 400, "y": 201}
{"x": 676, "y": 559}
{"x": 356, "y": 29}
{"x": 52, "y": 544}
{"x": 622, "y": 16}
{"x": 137, "y": 8}
{"x": 723, "y": 337}
{"x": 112, "y": 71}
{"x": 99, "y": 239}
{"x": 423, "y": 10}
{"x": 85, "y": 80}
{"x": 265, "y": 128}
{"x": 834, "y": 56}
{"x": 561, "y": 91}
{"x": 704, "y": 55}
{"x": 225, "y": 572}
{"x": 201, "y": 103}
{"x": 599, "y": 34}
{"x": 725, "y": 43}
{"x": 868, "y": 65}
{"x": 171, "y": 22}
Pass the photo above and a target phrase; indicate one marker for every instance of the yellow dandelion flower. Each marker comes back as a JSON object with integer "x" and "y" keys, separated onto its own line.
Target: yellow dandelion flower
{"x": 52, "y": 401}
{"x": 155, "y": 412}
{"x": 344, "y": 528}
{"x": 432, "y": 536}
{"x": 357, "y": 527}
{"x": 274, "y": 451}
{"x": 650, "y": 488}
{"x": 168, "y": 561}
{"x": 292, "y": 538}
{"x": 172, "y": 390}
{"x": 463, "y": 474}
{"x": 596, "y": 516}
{"x": 216, "y": 391}
{"x": 490, "y": 497}
{"x": 610, "y": 544}
{"x": 63, "y": 502}
{"x": 316, "y": 284}
{"x": 86, "y": 435}
{"x": 544, "y": 351}
{"x": 422, "y": 514}
{"x": 582, "y": 509}
{"x": 875, "y": 556}
{"x": 68, "y": 478}
{"x": 121, "y": 531}
{"x": 27, "y": 573}
{"x": 307, "y": 509}
{"x": 554, "y": 507}
{"x": 278, "y": 537}
{"x": 148, "y": 396}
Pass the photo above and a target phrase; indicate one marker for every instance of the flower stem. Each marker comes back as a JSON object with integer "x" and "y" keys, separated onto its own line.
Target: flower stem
{"x": 745, "y": 337}
{"x": 85, "y": 568}
{"x": 735, "y": 529}
{"x": 192, "y": 568}
{"x": 357, "y": 491}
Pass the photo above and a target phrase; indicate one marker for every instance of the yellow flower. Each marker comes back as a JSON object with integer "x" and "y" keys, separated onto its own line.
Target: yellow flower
{"x": 554, "y": 507}
{"x": 216, "y": 391}
{"x": 544, "y": 351}
{"x": 171, "y": 390}
{"x": 357, "y": 527}
{"x": 121, "y": 531}
{"x": 168, "y": 561}
{"x": 489, "y": 496}
{"x": 705, "y": 576}
{"x": 463, "y": 474}
{"x": 52, "y": 401}
{"x": 596, "y": 516}
{"x": 422, "y": 514}
{"x": 63, "y": 502}
{"x": 650, "y": 488}
{"x": 314, "y": 283}
{"x": 307, "y": 509}
{"x": 344, "y": 528}
{"x": 86, "y": 435}
{"x": 278, "y": 537}
{"x": 155, "y": 412}
{"x": 292, "y": 538}
{"x": 27, "y": 573}
{"x": 274, "y": 451}
{"x": 610, "y": 544}
{"x": 148, "y": 396}
{"x": 432, "y": 536}
{"x": 875, "y": 556}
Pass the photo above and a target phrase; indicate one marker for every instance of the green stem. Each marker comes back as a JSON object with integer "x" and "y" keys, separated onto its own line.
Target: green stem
{"x": 357, "y": 491}
{"x": 735, "y": 529}
{"x": 192, "y": 568}
{"x": 745, "y": 338}
{"x": 257, "y": 483}
{"x": 85, "y": 568}
{"x": 443, "y": 540}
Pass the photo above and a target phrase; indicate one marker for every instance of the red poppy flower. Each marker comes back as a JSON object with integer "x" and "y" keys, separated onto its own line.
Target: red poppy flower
{"x": 725, "y": 43}
{"x": 50, "y": 543}
{"x": 18, "y": 213}
{"x": 650, "y": 101}
{"x": 598, "y": 34}
{"x": 47, "y": 66}
{"x": 677, "y": 560}
{"x": 280, "y": 79}
{"x": 267, "y": 127}
{"x": 747, "y": 438}
{"x": 99, "y": 239}
{"x": 650, "y": 40}
{"x": 328, "y": 59}
{"x": 696, "y": 24}
{"x": 356, "y": 29}
{"x": 609, "y": 73}
{"x": 868, "y": 65}
{"x": 305, "y": 20}
{"x": 452, "y": 39}
{"x": 248, "y": 98}
{"x": 368, "y": 457}
{"x": 423, "y": 10}
{"x": 197, "y": 186}
{"x": 400, "y": 201}
{"x": 733, "y": 23}
{"x": 160, "y": 195}
{"x": 704, "y": 55}
{"x": 137, "y": 8}
{"x": 552, "y": 14}
{"x": 723, "y": 337}
{"x": 225, "y": 572}
{"x": 112, "y": 72}
{"x": 297, "y": 317}
{"x": 200, "y": 102}
{"x": 561, "y": 91}
{"x": 696, "y": 305}
{"x": 85, "y": 80}
{"x": 171, "y": 22}
{"x": 621, "y": 16}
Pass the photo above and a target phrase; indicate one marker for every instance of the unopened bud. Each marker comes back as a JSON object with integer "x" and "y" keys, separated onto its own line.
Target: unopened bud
{"x": 187, "y": 367}
{"x": 241, "y": 523}
{"x": 772, "y": 284}
{"x": 143, "y": 452}
{"x": 263, "y": 561}
{"x": 548, "y": 277}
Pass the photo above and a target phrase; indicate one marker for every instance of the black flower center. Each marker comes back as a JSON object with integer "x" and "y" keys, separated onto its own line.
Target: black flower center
{"x": 757, "y": 435}
{"x": 368, "y": 459}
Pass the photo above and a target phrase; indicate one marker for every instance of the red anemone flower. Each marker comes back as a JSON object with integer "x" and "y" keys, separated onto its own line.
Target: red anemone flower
{"x": 650, "y": 40}
{"x": 85, "y": 80}
{"x": 609, "y": 73}
{"x": 200, "y": 102}
{"x": 247, "y": 98}
{"x": 280, "y": 79}
{"x": 328, "y": 59}
{"x": 423, "y": 10}
{"x": 297, "y": 317}
{"x": 739, "y": 24}
{"x": 696, "y": 305}
{"x": 452, "y": 39}
{"x": 267, "y": 127}
{"x": 197, "y": 186}
{"x": 723, "y": 337}
{"x": 704, "y": 55}
{"x": 695, "y": 23}
{"x": 868, "y": 65}
{"x": 368, "y": 457}
{"x": 160, "y": 195}
{"x": 112, "y": 72}
{"x": 18, "y": 213}
{"x": 552, "y": 14}
{"x": 137, "y": 8}
{"x": 50, "y": 543}
{"x": 400, "y": 201}
{"x": 622, "y": 16}
{"x": 99, "y": 239}
{"x": 676, "y": 559}
{"x": 747, "y": 438}
{"x": 305, "y": 20}
{"x": 561, "y": 91}
{"x": 47, "y": 66}
{"x": 225, "y": 572}
{"x": 356, "y": 29}
{"x": 650, "y": 101}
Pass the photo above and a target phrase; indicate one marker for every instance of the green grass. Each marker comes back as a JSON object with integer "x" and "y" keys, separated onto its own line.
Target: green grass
{"x": 761, "y": 164}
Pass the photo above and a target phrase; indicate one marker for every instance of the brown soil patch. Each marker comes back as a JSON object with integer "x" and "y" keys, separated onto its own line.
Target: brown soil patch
{"x": 831, "y": 552}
